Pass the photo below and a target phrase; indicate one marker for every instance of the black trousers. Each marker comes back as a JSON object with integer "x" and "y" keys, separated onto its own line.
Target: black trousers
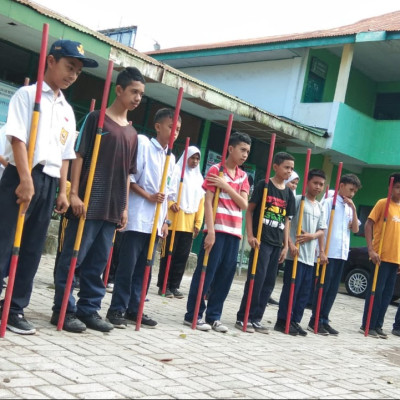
{"x": 37, "y": 220}
{"x": 180, "y": 254}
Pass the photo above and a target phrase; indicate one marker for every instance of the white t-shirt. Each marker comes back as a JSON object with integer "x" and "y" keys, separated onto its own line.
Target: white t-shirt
{"x": 56, "y": 128}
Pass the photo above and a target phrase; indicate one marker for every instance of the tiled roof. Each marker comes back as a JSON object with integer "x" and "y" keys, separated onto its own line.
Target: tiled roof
{"x": 386, "y": 22}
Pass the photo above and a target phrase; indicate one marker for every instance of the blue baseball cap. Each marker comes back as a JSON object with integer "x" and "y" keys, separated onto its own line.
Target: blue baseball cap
{"x": 69, "y": 48}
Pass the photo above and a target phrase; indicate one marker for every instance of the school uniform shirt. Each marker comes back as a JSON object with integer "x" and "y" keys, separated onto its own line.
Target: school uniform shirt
{"x": 339, "y": 244}
{"x": 150, "y": 166}
{"x": 313, "y": 220}
{"x": 391, "y": 241}
{"x": 228, "y": 218}
{"x": 280, "y": 203}
{"x": 56, "y": 129}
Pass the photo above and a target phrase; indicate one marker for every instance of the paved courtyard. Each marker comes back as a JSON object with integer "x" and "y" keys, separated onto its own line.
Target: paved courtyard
{"x": 174, "y": 361}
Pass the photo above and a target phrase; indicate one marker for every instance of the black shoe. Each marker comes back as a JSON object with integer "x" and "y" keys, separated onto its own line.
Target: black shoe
{"x": 281, "y": 325}
{"x": 371, "y": 332}
{"x": 95, "y": 322}
{"x": 330, "y": 330}
{"x": 396, "y": 332}
{"x": 77, "y": 284}
{"x": 168, "y": 293}
{"x": 321, "y": 330}
{"x": 298, "y": 328}
{"x": 18, "y": 324}
{"x": 177, "y": 294}
{"x": 273, "y": 302}
{"x": 146, "y": 320}
{"x": 71, "y": 322}
{"x": 116, "y": 318}
{"x": 381, "y": 334}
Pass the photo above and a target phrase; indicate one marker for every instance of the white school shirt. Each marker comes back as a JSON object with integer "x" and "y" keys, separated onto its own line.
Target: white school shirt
{"x": 56, "y": 129}
{"x": 150, "y": 166}
{"x": 339, "y": 243}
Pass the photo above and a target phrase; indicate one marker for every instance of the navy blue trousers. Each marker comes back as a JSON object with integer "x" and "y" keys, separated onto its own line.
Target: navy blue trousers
{"x": 37, "y": 220}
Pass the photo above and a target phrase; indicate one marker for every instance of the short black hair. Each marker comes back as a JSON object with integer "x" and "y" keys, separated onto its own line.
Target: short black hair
{"x": 396, "y": 176}
{"x": 316, "y": 172}
{"x": 238, "y": 137}
{"x": 129, "y": 74}
{"x": 352, "y": 179}
{"x": 282, "y": 156}
{"x": 163, "y": 113}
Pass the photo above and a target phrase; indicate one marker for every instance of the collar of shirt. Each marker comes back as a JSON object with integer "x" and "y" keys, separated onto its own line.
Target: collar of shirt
{"x": 158, "y": 145}
{"x": 48, "y": 90}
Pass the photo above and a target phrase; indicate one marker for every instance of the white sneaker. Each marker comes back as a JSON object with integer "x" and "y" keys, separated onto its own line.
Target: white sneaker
{"x": 109, "y": 287}
{"x": 201, "y": 325}
{"x": 218, "y": 327}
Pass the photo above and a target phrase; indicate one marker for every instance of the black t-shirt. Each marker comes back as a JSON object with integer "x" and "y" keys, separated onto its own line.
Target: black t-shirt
{"x": 280, "y": 204}
{"x": 116, "y": 160}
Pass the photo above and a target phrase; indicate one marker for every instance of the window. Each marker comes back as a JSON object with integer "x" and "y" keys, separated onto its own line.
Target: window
{"x": 316, "y": 81}
{"x": 387, "y": 106}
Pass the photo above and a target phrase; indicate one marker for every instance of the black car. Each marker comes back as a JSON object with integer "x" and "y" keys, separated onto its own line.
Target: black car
{"x": 358, "y": 270}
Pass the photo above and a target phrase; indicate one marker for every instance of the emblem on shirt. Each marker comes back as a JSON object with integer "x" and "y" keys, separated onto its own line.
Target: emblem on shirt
{"x": 63, "y": 136}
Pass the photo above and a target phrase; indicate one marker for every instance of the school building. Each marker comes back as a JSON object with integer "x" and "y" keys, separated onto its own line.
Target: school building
{"x": 335, "y": 91}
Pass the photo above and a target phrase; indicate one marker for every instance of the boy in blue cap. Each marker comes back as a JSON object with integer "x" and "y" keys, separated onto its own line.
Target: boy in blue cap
{"x": 36, "y": 191}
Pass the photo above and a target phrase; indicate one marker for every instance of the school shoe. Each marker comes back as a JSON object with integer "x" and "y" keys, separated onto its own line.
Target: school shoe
{"x": 201, "y": 325}
{"x": 381, "y": 334}
{"x": 95, "y": 322}
{"x": 396, "y": 332}
{"x": 218, "y": 327}
{"x": 330, "y": 330}
{"x": 298, "y": 328}
{"x": 116, "y": 318}
{"x": 168, "y": 293}
{"x": 321, "y": 330}
{"x": 273, "y": 302}
{"x": 280, "y": 326}
{"x": 177, "y": 294}
{"x": 110, "y": 287}
{"x": 18, "y": 324}
{"x": 249, "y": 327}
{"x": 371, "y": 332}
{"x": 260, "y": 328}
{"x": 71, "y": 322}
{"x": 147, "y": 322}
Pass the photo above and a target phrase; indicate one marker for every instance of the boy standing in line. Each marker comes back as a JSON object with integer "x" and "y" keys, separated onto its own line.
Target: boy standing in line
{"x": 143, "y": 197}
{"x": 107, "y": 207}
{"x": 279, "y": 207}
{"x": 222, "y": 235}
{"x": 36, "y": 190}
{"x": 344, "y": 221}
{"x": 312, "y": 230}
{"x": 389, "y": 259}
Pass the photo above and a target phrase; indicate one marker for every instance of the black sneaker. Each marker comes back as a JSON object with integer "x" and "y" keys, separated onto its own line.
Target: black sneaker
{"x": 95, "y": 322}
{"x": 18, "y": 324}
{"x": 168, "y": 293}
{"x": 396, "y": 332}
{"x": 177, "y": 293}
{"x": 298, "y": 328}
{"x": 116, "y": 318}
{"x": 321, "y": 330}
{"x": 280, "y": 326}
{"x": 371, "y": 332}
{"x": 146, "y": 320}
{"x": 273, "y": 302}
{"x": 381, "y": 334}
{"x": 330, "y": 330}
{"x": 71, "y": 322}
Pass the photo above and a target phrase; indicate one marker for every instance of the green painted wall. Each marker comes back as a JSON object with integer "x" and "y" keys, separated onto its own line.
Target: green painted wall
{"x": 361, "y": 92}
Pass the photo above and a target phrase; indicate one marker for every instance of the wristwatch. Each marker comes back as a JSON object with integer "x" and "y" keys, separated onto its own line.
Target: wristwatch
{"x": 168, "y": 222}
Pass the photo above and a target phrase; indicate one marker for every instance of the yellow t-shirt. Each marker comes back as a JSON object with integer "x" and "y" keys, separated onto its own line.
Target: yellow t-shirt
{"x": 391, "y": 240}
{"x": 187, "y": 222}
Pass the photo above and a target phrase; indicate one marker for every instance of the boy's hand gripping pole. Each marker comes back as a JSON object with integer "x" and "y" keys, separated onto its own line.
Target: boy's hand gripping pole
{"x": 376, "y": 271}
{"x": 86, "y": 199}
{"x": 296, "y": 257}
{"x": 175, "y": 220}
{"x": 328, "y": 239}
{"x": 215, "y": 205}
{"x": 259, "y": 231}
{"x": 150, "y": 252}
{"x": 31, "y": 150}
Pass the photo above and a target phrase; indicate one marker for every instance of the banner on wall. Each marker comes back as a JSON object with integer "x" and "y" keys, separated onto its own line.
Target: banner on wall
{"x": 6, "y": 92}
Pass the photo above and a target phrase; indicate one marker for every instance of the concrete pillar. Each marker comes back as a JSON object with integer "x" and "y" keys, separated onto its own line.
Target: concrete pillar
{"x": 344, "y": 73}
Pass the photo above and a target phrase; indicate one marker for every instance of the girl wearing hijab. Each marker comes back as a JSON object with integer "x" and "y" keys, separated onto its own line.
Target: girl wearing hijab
{"x": 293, "y": 181}
{"x": 189, "y": 220}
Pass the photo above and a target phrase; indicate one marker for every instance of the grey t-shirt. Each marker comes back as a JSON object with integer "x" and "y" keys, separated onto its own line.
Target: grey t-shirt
{"x": 313, "y": 220}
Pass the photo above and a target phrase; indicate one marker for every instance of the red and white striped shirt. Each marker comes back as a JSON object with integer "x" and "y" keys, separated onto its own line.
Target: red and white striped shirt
{"x": 228, "y": 218}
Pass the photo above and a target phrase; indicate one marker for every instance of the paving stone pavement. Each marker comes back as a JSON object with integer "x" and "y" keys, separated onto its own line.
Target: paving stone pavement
{"x": 175, "y": 362}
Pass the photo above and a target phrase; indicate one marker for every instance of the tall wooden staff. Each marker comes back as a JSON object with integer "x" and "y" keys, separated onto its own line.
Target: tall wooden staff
{"x": 372, "y": 298}
{"x": 150, "y": 257}
{"x": 86, "y": 199}
{"x": 175, "y": 221}
{"x": 259, "y": 231}
{"x": 215, "y": 205}
{"x": 328, "y": 239}
{"x": 31, "y": 150}
{"x": 296, "y": 258}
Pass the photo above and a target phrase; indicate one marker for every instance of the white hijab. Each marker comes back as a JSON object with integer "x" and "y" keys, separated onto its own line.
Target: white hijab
{"x": 192, "y": 191}
{"x": 293, "y": 176}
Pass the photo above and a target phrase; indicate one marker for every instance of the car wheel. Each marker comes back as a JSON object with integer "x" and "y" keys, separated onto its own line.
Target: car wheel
{"x": 356, "y": 282}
